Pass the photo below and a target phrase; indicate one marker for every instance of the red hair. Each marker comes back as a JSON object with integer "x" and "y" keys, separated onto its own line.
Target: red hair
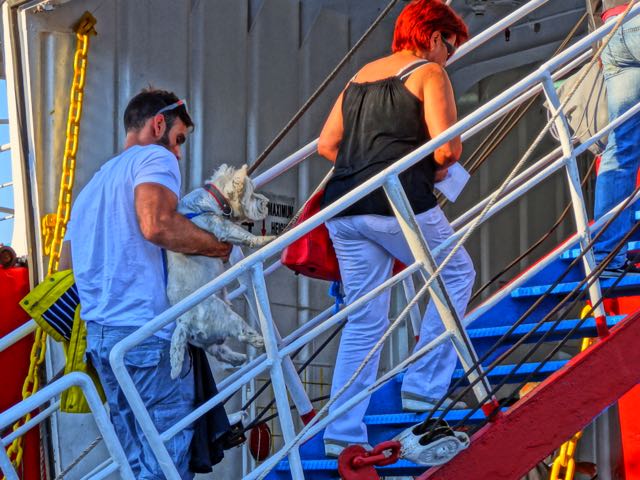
{"x": 420, "y": 19}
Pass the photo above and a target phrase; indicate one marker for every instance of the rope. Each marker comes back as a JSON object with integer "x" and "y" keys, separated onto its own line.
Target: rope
{"x": 493, "y": 199}
{"x": 73, "y": 464}
{"x": 510, "y": 122}
{"x": 320, "y": 89}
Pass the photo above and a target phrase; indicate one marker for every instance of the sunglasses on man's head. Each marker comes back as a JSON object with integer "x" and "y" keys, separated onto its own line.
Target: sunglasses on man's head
{"x": 179, "y": 103}
{"x": 450, "y": 48}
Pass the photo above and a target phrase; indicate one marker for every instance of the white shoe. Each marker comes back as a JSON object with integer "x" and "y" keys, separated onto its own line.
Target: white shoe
{"x": 333, "y": 448}
{"x": 414, "y": 403}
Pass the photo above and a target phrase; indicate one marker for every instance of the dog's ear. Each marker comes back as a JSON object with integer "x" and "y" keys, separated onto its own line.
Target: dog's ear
{"x": 238, "y": 179}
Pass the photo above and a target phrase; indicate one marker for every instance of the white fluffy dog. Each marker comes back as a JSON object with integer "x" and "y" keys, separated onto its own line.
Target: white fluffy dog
{"x": 227, "y": 197}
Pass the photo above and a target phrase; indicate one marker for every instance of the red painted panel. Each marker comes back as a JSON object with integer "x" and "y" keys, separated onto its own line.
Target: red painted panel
{"x": 629, "y": 414}
{"x": 14, "y": 362}
{"x": 563, "y": 404}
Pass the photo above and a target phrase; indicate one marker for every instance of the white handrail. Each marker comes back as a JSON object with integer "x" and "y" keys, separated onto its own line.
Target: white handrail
{"x": 373, "y": 183}
{"x": 483, "y": 116}
{"x": 309, "y": 149}
{"x": 41, "y": 397}
{"x": 259, "y": 257}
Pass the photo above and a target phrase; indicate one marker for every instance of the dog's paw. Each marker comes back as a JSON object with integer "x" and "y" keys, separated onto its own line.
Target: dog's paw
{"x": 253, "y": 338}
{"x": 234, "y": 359}
{"x": 257, "y": 242}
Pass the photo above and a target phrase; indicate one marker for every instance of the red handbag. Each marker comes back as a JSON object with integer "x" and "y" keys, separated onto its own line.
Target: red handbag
{"x": 312, "y": 255}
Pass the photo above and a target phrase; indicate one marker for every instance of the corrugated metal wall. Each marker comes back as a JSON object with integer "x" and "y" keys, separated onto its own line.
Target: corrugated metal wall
{"x": 245, "y": 67}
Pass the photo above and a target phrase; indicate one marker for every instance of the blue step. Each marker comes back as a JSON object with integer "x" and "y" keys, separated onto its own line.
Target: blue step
{"x": 386, "y": 426}
{"x": 630, "y": 282}
{"x": 328, "y": 470}
{"x": 574, "y": 252}
{"x": 587, "y": 329}
{"x": 383, "y": 420}
{"x": 501, "y": 372}
{"x": 387, "y": 400}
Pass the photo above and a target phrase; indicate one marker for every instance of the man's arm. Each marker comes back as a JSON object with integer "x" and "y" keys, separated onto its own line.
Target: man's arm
{"x": 161, "y": 224}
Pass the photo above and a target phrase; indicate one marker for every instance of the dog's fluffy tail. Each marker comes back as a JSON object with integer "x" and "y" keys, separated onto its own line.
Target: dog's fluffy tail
{"x": 178, "y": 349}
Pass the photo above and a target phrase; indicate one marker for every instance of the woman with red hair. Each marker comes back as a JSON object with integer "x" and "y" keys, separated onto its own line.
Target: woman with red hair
{"x": 390, "y": 107}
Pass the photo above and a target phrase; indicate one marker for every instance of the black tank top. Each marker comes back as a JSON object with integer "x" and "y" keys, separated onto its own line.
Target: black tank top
{"x": 383, "y": 121}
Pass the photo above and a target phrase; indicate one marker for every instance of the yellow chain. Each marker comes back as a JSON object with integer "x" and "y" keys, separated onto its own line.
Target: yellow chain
{"x": 54, "y": 225}
{"x": 565, "y": 462}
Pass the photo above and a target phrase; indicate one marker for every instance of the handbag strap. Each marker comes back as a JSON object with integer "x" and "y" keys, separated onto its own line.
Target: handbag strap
{"x": 296, "y": 217}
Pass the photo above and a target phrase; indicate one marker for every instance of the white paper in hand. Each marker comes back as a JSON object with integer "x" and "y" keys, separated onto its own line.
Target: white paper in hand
{"x": 457, "y": 177}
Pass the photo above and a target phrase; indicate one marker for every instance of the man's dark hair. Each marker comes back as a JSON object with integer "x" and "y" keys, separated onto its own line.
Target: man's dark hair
{"x": 148, "y": 103}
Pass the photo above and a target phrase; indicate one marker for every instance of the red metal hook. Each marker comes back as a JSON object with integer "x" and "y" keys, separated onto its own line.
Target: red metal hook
{"x": 355, "y": 463}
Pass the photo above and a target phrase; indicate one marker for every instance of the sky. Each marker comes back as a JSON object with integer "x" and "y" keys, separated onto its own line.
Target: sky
{"x": 6, "y": 194}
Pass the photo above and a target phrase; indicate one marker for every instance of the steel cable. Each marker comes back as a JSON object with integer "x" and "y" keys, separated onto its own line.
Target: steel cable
{"x": 538, "y": 242}
{"x": 479, "y": 219}
{"x": 499, "y": 133}
{"x": 573, "y": 330}
{"x": 588, "y": 279}
{"x": 320, "y": 89}
{"x": 523, "y": 317}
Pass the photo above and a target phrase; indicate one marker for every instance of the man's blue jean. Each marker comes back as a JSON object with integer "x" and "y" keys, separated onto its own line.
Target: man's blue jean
{"x": 166, "y": 400}
{"x": 621, "y": 159}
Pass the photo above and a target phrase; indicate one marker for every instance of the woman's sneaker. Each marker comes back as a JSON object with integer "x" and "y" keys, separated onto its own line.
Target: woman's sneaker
{"x": 333, "y": 448}
{"x": 417, "y": 404}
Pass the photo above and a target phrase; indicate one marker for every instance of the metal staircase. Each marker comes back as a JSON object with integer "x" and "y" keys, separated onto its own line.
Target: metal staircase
{"x": 489, "y": 324}
{"x": 385, "y": 418}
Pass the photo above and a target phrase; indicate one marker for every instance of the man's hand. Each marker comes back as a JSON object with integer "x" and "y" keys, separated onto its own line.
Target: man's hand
{"x": 161, "y": 224}
{"x": 225, "y": 256}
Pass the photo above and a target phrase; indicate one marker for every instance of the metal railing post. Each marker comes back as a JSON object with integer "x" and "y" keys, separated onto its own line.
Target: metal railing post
{"x": 277, "y": 375}
{"x": 415, "y": 315}
{"x": 437, "y": 290}
{"x": 296, "y": 388}
{"x": 577, "y": 199}
{"x": 52, "y": 390}
{"x": 138, "y": 408}
{"x": 6, "y": 467}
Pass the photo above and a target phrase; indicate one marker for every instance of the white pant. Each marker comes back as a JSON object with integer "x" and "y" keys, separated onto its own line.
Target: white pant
{"x": 366, "y": 246}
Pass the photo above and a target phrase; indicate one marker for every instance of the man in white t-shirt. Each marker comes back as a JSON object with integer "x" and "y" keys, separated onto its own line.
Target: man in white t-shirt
{"x": 120, "y": 223}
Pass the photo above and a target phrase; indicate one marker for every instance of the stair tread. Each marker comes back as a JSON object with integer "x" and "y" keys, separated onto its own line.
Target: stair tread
{"x": 574, "y": 252}
{"x": 332, "y": 465}
{"x": 564, "y": 288}
{"x": 502, "y": 370}
{"x": 563, "y": 327}
{"x": 411, "y": 418}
